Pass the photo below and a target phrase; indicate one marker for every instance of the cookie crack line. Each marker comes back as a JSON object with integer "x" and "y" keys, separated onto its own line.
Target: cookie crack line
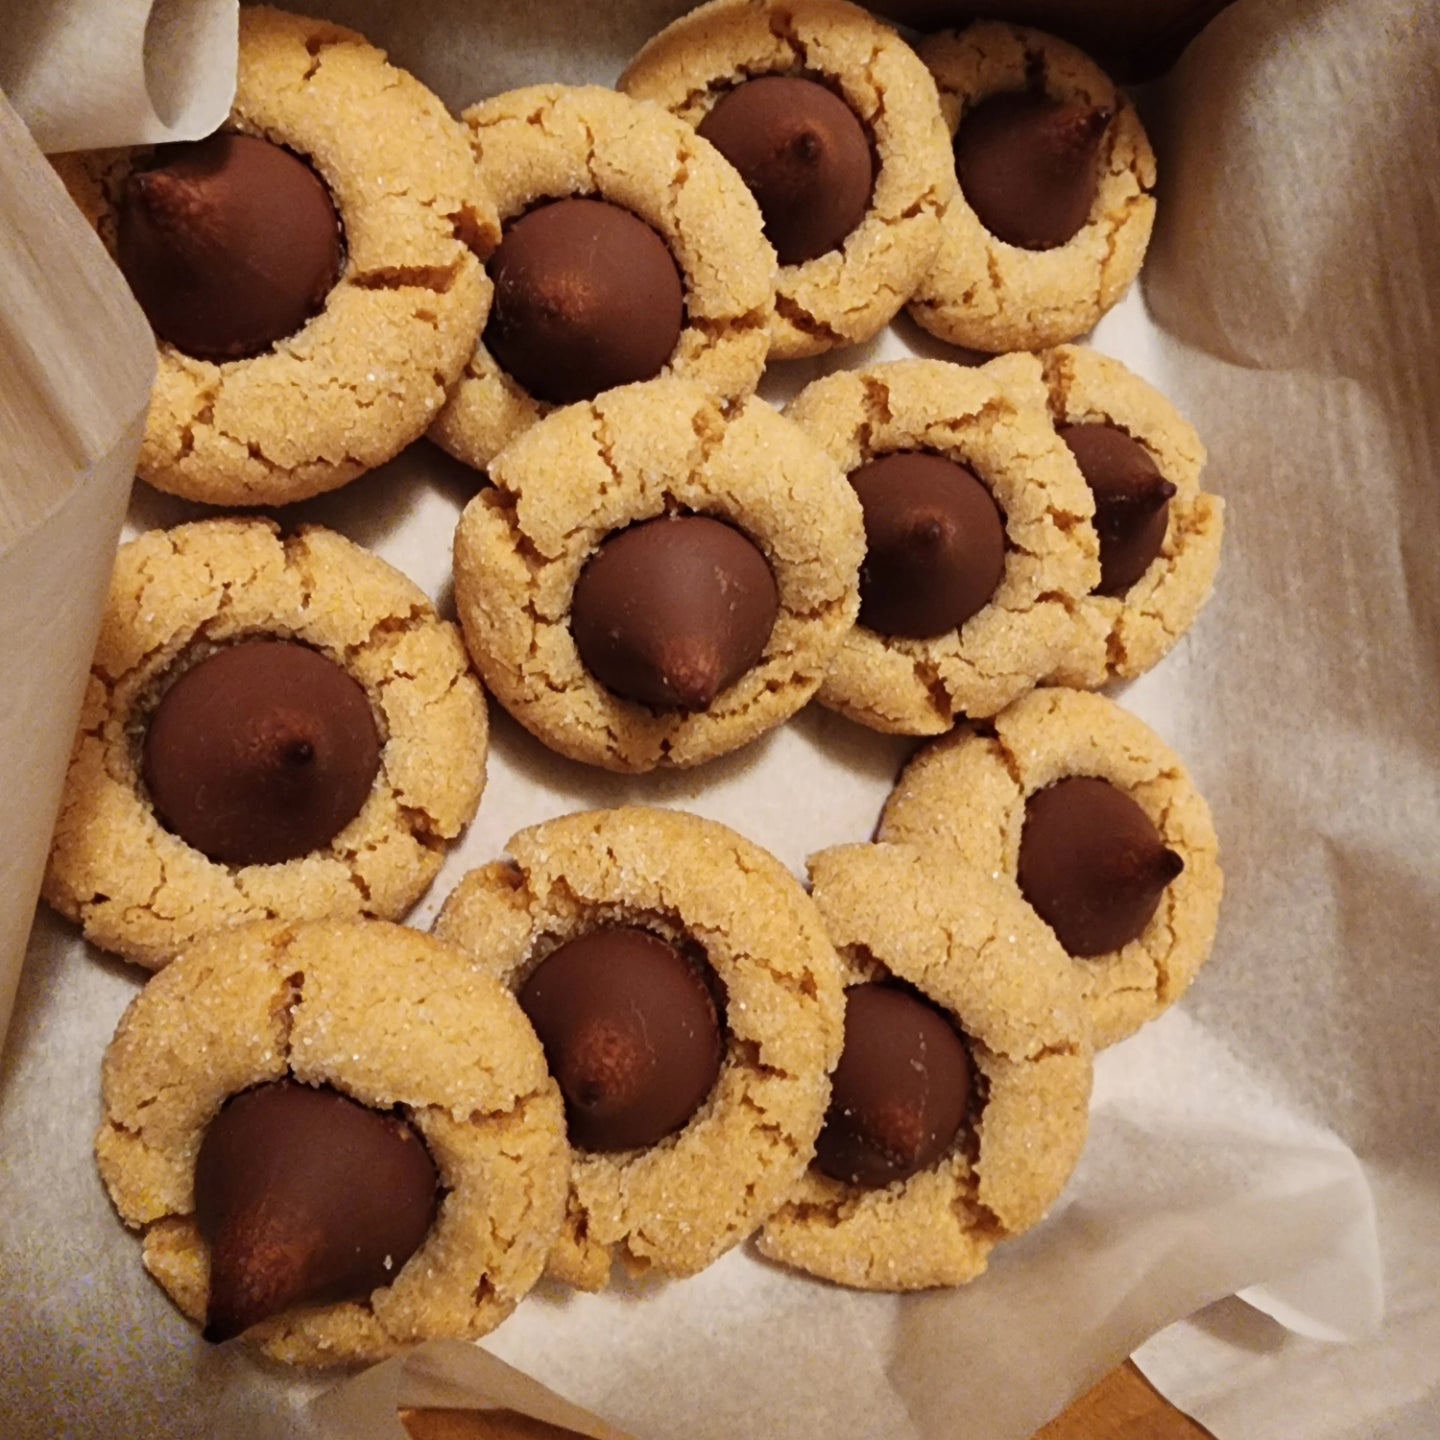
{"x": 438, "y": 279}
{"x": 783, "y": 28}
{"x": 790, "y": 309}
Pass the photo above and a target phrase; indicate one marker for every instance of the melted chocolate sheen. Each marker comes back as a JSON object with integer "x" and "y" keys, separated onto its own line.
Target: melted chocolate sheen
{"x": 934, "y": 544}
{"x": 261, "y": 753}
{"x": 631, "y": 1034}
{"x": 306, "y": 1197}
{"x": 229, "y": 243}
{"x": 587, "y": 297}
{"x": 1092, "y": 864}
{"x": 672, "y": 611}
{"x": 1132, "y": 501}
{"x": 805, "y": 156}
{"x": 900, "y": 1093}
{"x": 1028, "y": 166}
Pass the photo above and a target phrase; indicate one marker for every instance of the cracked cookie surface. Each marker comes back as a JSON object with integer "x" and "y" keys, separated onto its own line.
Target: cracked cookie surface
{"x": 965, "y": 794}
{"x": 549, "y": 142}
{"x": 368, "y": 373}
{"x": 847, "y": 294}
{"x": 680, "y": 1204}
{"x": 919, "y": 686}
{"x": 969, "y": 944}
{"x": 987, "y": 295}
{"x": 392, "y": 1018}
{"x": 1120, "y": 637}
{"x": 590, "y": 470}
{"x": 178, "y": 595}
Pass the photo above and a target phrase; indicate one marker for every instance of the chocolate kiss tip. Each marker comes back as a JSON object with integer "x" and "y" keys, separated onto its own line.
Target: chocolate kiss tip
{"x": 1172, "y": 863}
{"x": 693, "y": 679}
{"x": 1146, "y": 871}
{"x": 1147, "y": 495}
{"x": 1092, "y": 121}
{"x": 1080, "y": 128}
{"x": 928, "y": 530}
{"x": 158, "y": 191}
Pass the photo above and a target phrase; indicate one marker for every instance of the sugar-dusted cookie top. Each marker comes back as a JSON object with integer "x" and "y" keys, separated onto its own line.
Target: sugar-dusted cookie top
{"x": 273, "y": 726}
{"x": 656, "y": 578}
{"x": 248, "y": 1080}
{"x": 292, "y": 359}
{"x": 1159, "y": 531}
{"x": 630, "y": 250}
{"x": 638, "y": 883}
{"x": 960, "y": 1100}
{"x": 1055, "y": 177}
{"x": 1100, "y": 824}
{"x": 836, "y": 126}
{"x": 972, "y": 573}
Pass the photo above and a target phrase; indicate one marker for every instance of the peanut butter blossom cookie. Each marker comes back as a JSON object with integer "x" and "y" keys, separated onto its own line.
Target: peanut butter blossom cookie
{"x": 1098, "y": 822}
{"x": 836, "y": 128}
{"x": 978, "y": 546}
{"x": 313, "y": 272}
{"x": 1055, "y": 178}
{"x": 272, "y": 727}
{"x": 338, "y": 1138}
{"x": 630, "y": 250}
{"x": 655, "y": 578}
{"x": 959, "y": 1105}
{"x": 1159, "y": 532}
{"x": 690, "y": 1008}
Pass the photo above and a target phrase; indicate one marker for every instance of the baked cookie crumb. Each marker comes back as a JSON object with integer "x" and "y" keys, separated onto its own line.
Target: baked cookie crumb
{"x": 678, "y": 1205}
{"x": 367, "y": 374}
{"x": 966, "y": 795}
{"x": 978, "y": 419}
{"x": 179, "y": 595}
{"x": 850, "y": 291}
{"x": 597, "y": 470}
{"x": 986, "y": 294}
{"x": 970, "y": 946}
{"x": 1122, "y": 636}
{"x": 554, "y": 142}
{"x": 388, "y": 1017}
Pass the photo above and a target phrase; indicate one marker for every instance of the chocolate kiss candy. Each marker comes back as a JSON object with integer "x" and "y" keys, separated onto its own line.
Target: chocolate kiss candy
{"x": 1092, "y": 865}
{"x": 305, "y": 1197}
{"x": 631, "y": 1035}
{"x": 671, "y": 611}
{"x": 1027, "y": 165}
{"x": 805, "y": 156}
{"x": 934, "y": 544}
{"x": 900, "y": 1092}
{"x": 261, "y": 753}
{"x": 229, "y": 244}
{"x": 587, "y": 297}
{"x": 1132, "y": 500}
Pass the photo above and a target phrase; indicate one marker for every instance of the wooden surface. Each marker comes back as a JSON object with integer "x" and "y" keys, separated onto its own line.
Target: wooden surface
{"x": 1123, "y": 1406}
